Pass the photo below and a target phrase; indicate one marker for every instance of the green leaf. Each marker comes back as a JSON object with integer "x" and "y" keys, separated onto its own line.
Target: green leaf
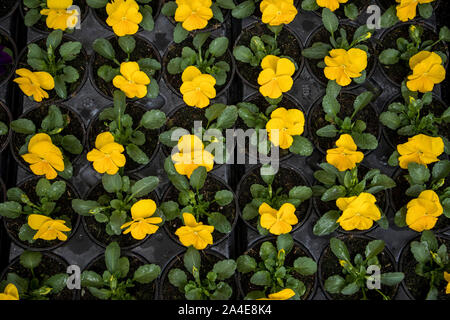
{"x": 91, "y": 279}
{"x": 391, "y": 278}
{"x": 225, "y": 269}
{"x": 389, "y": 18}
{"x": 330, "y": 20}
{"x": 301, "y": 146}
{"x": 425, "y": 10}
{"x": 199, "y": 40}
{"x": 374, "y": 248}
{"x": 246, "y": 264}
{"x": 350, "y": 289}
{"x": 198, "y": 178}
{"x": 30, "y": 259}
{"x": 305, "y": 266}
{"x": 26, "y": 233}
{"x": 390, "y": 120}
{"x": 127, "y": 44}
{"x": 261, "y": 278}
{"x": 192, "y": 259}
{"x": 83, "y": 207}
{"x": 329, "y": 131}
{"x": 54, "y": 39}
{"x": 147, "y": 273}
{"x": 389, "y": 56}
{"x": 243, "y": 54}
{"x": 301, "y": 193}
{"x": 179, "y": 33}
{"x": 147, "y": 23}
{"x": 327, "y": 223}
{"x": 339, "y": 249}
{"x": 309, "y": 5}
{"x": 441, "y": 170}
{"x": 285, "y": 242}
{"x": 220, "y": 222}
{"x": 418, "y": 173}
{"x": 144, "y": 186}
{"x": 267, "y": 251}
{"x": 58, "y": 282}
{"x": 71, "y": 144}
{"x": 23, "y": 126}
{"x": 104, "y": 48}
{"x": 214, "y": 111}
{"x": 334, "y": 284}
{"x": 102, "y": 294}
{"x": 169, "y": 8}
{"x": 226, "y": 4}
{"x": 137, "y": 154}
{"x": 56, "y": 190}
{"x": 97, "y": 4}
{"x": 224, "y": 197}
{"x": 70, "y": 50}
{"x": 178, "y": 278}
{"x": 351, "y": 11}
{"x": 222, "y": 292}
{"x": 227, "y": 118}
{"x": 107, "y": 72}
{"x": 112, "y": 183}
{"x": 420, "y": 252}
{"x": 318, "y": 50}
{"x": 365, "y": 140}
{"x": 32, "y": 17}
{"x": 112, "y": 255}
{"x": 10, "y": 209}
{"x": 218, "y": 46}
{"x": 153, "y": 119}
{"x": 362, "y": 100}
{"x": 244, "y": 9}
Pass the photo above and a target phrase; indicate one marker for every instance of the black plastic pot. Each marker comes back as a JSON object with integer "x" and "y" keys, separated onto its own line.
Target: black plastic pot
{"x": 9, "y": 9}
{"x": 6, "y": 118}
{"x": 13, "y": 48}
{"x": 2, "y": 190}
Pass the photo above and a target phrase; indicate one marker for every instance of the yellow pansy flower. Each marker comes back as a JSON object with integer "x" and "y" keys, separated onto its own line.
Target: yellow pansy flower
{"x": 143, "y": 223}
{"x": 58, "y": 17}
{"x": 123, "y": 16}
{"x": 345, "y": 156}
{"x": 420, "y": 149}
{"x": 358, "y": 212}
{"x": 132, "y": 81}
{"x": 43, "y": 156}
{"x": 278, "y": 221}
{"x": 427, "y": 71}
{"x": 447, "y": 278}
{"x": 107, "y": 155}
{"x": 276, "y": 76}
{"x": 194, "y": 234}
{"x": 424, "y": 211}
{"x": 406, "y": 9}
{"x": 35, "y": 83}
{"x": 333, "y": 5}
{"x": 343, "y": 65}
{"x": 10, "y": 293}
{"x": 278, "y": 12}
{"x": 48, "y": 229}
{"x": 194, "y": 14}
{"x": 197, "y": 88}
{"x": 284, "y": 124}
{"x": 284, "y": 294}
{"x": 191, "y": 155}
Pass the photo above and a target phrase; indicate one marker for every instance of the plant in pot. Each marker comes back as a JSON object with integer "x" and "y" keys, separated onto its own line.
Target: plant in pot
{"x": 119, "y": 277}
{"x": 341, "y": 179}
{"x": 279, "y": 264}
{"x": 36, "y": 276}
{"x": 405, "y": 11}
{"x": 53, "y": 129}
{"x": 358, "y": 279}
{"x": 5, "y": 122}
{"x": 343, "y": 8}
{"x": 270, "y": 11}
{"x": 268, "y": 198}
{"x": 58, "y": 64}
{"x": 8, "y": 55}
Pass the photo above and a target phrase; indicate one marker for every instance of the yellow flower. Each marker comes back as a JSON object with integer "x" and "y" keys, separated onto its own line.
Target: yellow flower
{"x": 358, "y": 212}
{"x": 10, "y": 293}
{"x": 142, "y": 224}
{"x": 420, "y": 149}
{"x": 284, "y": 124}
{"x": 123, "y": 16}
{"x": 447, "y": 278}
{"x": 194, "y": 14}
{"x": 406, "y": 9}
{"x": 43, "y": 156}
{"x": 427, "y": 71}
{"x": 284, "y": 294}
{"x": 58, "y": 15}
{"x": 48, "y": 229}
{"x": 197, "y": 88}
{"x": 35, "y": 83}
{"x": 194, "y": 234}
{"x": 191, "y": 155}
{"x": 333, "y": 5}
{"x": 343, "y": 263}
{"x": 278, "y": 12}
{"x": 278, "y": 221}
{"x": 424, "y": 211}
{"x": 344, "y": 65}
{"x": 107, "y": 155}
{"x": 276, "y": 76}
{"x": 345, "y": 156}
{"x": 132, "y": 81}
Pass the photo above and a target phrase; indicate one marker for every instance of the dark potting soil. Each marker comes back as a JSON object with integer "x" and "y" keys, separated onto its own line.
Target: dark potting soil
{"x": 170, "y": 292}
{"x": 317, "y": 120}
{"x": 49, "y": 266}
{"x": 36, "y": 115}
{"x": 322, "y": 35}
{"x": 399, "y": 71}
{"x": 295, "y": 253}
{"x": 63, "y": 208}
{"x": 285, "y": 178}
{"x": 329, "y": 266}
{"x": 6, "y": 120}
{"x": 144, "y": 49}
{"x": 175, "y": 50}
{"x": 419, "y": 286}
{"x": 6, "y": 42}
{"x": 288, "y": 44}
{"x": 138, "y": 291}
{"x": 6, "y": 6}
{"x": 208, "y": 192}
{"x": 136, "y": 111}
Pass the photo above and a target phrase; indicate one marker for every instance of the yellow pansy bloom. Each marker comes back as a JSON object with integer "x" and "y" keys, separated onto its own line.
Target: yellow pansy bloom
{"x": 284, "y": 124}
{"x": 343, "y": 65}
{"x": 58, "y": 17}
{"x": 424, "y": 211}
{"x": 123, "y": 16}
{"x": 191, "y": 155}
{"x": 132, "y": 81}
{"x": 276, "y": 76}
{"x": 35, "y": 83}
{"x": 278, "y": 221}
{"x": 194, "y": 234}
{"x": 194, "y": 14}
{"x": 345, "y": 156}
{"x": 197, "y": 88}
{"x": 427, "y": 71}
{"x": 447, "y": 278}
{"x": 333, "y": 5}
{"x": 358, "y": 212}
{"x": 284, "y": 294}
{"x": 420, "y": 149}
{"x": 107, "y": 155}
{"x": 143, "y": 223}
{"x": 48, "y": 229}
{"x": 10, "y": 293}
{"x": 43, "y": 156}
{"x": 407, "y": 9}
{"x": 278, "y": 12}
